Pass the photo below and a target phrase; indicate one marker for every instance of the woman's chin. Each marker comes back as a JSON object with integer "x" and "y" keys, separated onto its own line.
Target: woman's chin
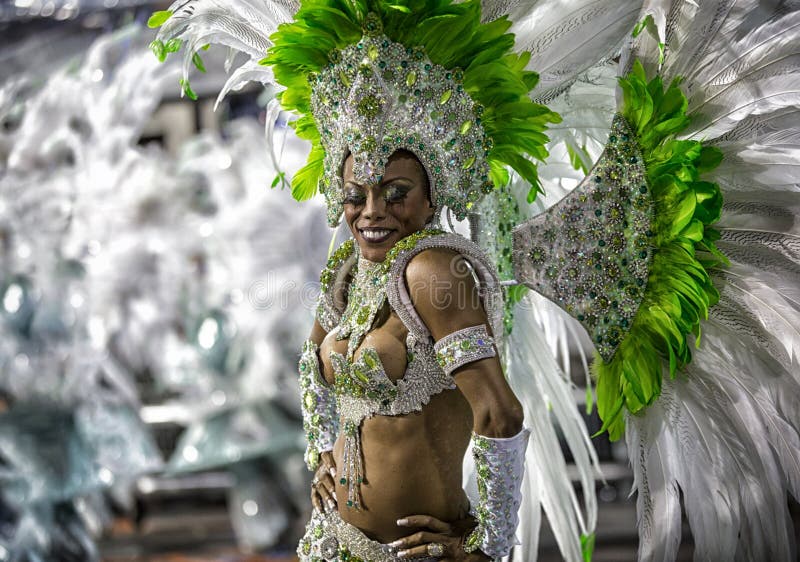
{"x": 376, "y": 251}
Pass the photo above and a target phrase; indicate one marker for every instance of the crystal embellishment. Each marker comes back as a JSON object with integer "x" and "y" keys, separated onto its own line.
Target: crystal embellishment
{"x": 464, "y": 346}
{"x": 376, "y": 97}
{"x": 590, "y": 253}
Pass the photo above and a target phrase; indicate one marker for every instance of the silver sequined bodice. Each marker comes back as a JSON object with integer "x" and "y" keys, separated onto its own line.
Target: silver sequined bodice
{"x": 368, "y": 390}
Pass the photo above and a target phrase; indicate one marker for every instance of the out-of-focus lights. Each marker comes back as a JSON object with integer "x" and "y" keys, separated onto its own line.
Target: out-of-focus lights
{"x": 105, "y": 475}
{"x": 218, "y": 398}
{"x": 76, "y": 300}
{"x": 250, "y": 508}
{"x": 146, "y": 485}
{"x": 190, "y": 454}
{"x": 12, "y": 299}
{"x": 24, "y": 251}
{"x": 208, "y": 334}
{"x": 97, "y": 75}
{"x": 206, "y": 229}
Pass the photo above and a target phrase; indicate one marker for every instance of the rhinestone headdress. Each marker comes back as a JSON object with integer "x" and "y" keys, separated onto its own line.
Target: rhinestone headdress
{"x": 433, "y": 81}
{"x": 380, "y": 97}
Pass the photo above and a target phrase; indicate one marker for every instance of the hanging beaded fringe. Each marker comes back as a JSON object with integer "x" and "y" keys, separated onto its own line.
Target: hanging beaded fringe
{"x": 353, "y": 465}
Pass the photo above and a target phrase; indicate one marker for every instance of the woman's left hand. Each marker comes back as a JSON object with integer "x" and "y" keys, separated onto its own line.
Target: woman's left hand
{"x": 448, "y": 535}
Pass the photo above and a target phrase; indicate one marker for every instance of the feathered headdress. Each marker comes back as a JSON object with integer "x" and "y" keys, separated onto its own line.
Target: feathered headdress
{"x": 369, "y": 77}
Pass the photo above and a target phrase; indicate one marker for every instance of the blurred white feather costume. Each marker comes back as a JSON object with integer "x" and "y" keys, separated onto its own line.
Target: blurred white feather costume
{"x": 725, "y": 431}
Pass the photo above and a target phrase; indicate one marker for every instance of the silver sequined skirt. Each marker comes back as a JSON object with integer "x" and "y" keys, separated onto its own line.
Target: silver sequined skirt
{"x": 328, "y": 538}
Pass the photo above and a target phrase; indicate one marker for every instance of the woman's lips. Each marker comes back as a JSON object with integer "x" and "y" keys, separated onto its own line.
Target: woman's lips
{"x": 375, "y": 235}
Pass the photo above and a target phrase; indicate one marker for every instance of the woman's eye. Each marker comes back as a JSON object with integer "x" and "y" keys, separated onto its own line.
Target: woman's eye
{"x": 354, "y": 198}
{"x": 395, "y": 194}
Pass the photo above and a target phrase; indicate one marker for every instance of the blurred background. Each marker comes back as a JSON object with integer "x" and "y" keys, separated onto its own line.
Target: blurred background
{"x": 156, "y": 284}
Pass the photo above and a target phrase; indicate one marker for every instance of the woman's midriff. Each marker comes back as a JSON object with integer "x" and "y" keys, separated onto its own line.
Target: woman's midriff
{"x": 412, "y": 466}
{"x": 413, "y": 462}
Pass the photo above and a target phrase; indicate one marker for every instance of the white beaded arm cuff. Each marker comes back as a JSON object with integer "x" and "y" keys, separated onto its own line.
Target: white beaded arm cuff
{"x": 500, "y": 463}
{"x": 464, "y": 346}
{"x": 320, "y": 421}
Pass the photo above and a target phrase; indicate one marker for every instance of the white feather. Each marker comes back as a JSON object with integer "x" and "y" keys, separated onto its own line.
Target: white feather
{"x": 566, "y": 37}
{"x": 243, "y": 26}
{"x": 547, "y": 398}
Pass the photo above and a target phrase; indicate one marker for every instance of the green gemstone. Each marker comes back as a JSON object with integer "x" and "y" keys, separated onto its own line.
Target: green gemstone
{"x": 445, "y": 97}
{"x": 411, "y": 78}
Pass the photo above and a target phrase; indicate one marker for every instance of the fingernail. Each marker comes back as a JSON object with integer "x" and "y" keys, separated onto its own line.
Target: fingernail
{"x": 396, "y": 543}
{"x": 331, "y": 504}
{"x": 402, "y": 522}
{"x": 402, "y": 554}
{"x": 333, "y": 472}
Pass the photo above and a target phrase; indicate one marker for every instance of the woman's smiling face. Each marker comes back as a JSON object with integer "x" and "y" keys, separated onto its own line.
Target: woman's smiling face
{"x": 381, "y": 214}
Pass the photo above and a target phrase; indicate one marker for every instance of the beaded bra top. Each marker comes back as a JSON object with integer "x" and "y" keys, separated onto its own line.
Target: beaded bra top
{"x": 362, "y": 387}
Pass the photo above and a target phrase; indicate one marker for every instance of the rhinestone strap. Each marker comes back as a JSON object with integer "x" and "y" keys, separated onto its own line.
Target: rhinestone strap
{"x": 489, "y": 286}
{"x": 500, "y": 463}
{"x": 320, "y": 421}
{"x": 464, "y": 346}
{"x": 332, "y": 281}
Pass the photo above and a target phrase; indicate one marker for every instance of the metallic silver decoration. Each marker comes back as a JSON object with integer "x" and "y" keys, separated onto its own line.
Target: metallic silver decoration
{"x": 590, "y": 253}
{"x": 377, "y": 97}
{"x": 464, "y": 346}
{"x": 325, "y": 528}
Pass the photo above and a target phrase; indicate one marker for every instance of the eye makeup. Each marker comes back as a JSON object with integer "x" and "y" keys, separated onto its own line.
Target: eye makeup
{"x": 393, "y": 192}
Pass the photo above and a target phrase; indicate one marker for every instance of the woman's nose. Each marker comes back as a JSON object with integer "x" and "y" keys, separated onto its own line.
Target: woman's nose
{"x": 374, "y": 206}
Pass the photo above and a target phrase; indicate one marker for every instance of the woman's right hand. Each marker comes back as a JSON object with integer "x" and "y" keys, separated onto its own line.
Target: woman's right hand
{"x": 323, "y": 487}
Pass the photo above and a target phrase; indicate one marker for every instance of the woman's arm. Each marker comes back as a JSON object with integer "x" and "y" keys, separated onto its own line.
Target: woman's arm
{"x": 445, "y": 296}
{"x": 319, "y": 421}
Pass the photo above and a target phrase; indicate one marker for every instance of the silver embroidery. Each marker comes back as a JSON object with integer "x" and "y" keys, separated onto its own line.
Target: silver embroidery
{"x": 462, "y": 347}
{"x": 590, "y": 253}
{"x": 377, "y": 97}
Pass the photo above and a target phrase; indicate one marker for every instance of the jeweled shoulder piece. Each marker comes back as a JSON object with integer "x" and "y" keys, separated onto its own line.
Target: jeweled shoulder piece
{"x": 377, "y": 97}
{"x": 331, "y": 279}
{"x": 590, "y": 253}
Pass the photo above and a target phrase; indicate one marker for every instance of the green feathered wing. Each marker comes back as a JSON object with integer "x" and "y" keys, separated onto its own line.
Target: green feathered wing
{"x": 627, "y": 253}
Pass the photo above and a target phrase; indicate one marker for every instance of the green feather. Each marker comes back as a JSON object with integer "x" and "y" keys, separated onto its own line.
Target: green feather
{"x": 452, "y": 35}
{"x": 304, "y": 182}
{"x": 679, "y": 291}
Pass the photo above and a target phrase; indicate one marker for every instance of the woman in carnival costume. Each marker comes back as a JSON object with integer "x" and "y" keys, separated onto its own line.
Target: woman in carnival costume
{"x": 414, "y": 107}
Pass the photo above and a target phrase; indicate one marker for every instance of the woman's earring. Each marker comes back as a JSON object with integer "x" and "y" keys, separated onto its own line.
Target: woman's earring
{"x": 435, "y": 221}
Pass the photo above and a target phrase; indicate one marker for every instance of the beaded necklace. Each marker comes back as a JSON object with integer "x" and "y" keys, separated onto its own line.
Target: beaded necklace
{"x": 367, "y": 293}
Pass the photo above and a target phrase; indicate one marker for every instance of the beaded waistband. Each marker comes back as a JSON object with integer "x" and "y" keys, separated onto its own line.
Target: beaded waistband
{"x": 331, "y": 539}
